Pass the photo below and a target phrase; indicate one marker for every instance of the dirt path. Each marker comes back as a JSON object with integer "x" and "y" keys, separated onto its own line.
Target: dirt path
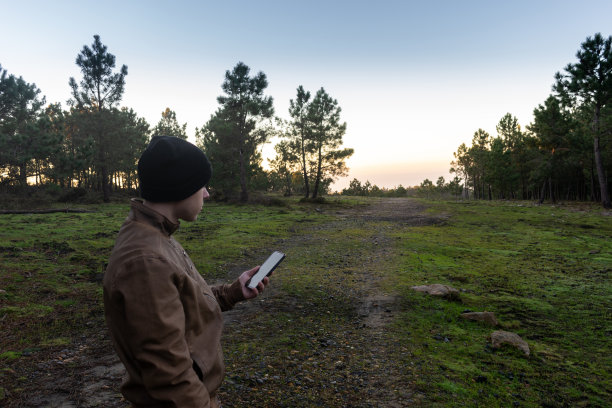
{"x": 89, "y": 375}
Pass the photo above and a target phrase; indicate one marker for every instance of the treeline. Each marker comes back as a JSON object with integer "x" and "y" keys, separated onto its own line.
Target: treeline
{"x": 95, "y": 145}
{"x": 427, "y": 189}
{"x": 566, "y": 153}
{"x": 357, "y": 188}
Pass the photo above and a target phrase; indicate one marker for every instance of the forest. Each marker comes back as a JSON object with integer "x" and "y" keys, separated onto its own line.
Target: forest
{"x": 94, "y": 145}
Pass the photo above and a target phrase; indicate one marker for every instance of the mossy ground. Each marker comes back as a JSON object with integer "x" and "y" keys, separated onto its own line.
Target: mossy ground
{"x": 544, "y": 271}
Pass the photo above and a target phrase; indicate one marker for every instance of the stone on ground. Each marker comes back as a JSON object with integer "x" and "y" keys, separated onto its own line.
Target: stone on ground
{"x": 485, "y": 317}
{"x": 437, "y": 289}
{"x": 501, "y": 337}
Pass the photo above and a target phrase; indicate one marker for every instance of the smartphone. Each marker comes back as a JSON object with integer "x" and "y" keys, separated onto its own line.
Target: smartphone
{"x": 265, "y": 269}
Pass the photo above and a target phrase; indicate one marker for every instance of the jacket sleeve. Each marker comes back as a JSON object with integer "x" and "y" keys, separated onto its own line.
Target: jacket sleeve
{"x": 154, "y": 332}
{"x": 228, "y": 295}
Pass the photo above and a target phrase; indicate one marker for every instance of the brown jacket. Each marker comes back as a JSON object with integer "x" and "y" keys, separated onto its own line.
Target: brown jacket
{"x": 164, "y": 320}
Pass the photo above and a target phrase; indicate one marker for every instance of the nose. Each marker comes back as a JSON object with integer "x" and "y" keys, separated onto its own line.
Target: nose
{"x": 205, "y": 194}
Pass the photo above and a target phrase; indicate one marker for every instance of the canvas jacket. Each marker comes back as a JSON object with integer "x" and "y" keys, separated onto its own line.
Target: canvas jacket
{"x": 165, "y": 321}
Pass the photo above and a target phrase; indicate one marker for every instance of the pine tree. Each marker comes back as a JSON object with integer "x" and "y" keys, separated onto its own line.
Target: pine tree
{"x": 99, "y": 90}
{"x": 233, "y": 134}
{"x": 589, "y": 82}
{"x": 326, "y": 138}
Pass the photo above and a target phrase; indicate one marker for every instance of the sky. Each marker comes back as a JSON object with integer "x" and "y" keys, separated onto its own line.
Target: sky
{"x": 414, "y": 79}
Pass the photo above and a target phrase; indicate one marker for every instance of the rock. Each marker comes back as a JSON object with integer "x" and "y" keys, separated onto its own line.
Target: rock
{"x": 501, "y": 337}
{"x": 485, "y": 317}
{"x": 441, "y": 338}
{"x": 445, "y": 291}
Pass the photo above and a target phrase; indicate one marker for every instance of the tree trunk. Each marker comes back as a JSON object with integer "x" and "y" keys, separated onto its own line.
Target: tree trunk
{"x": 601, "y": 175}
{"x": 315, "y": 191}
{"x": 550, "y": 190}
{"x": 23, "y": 175}
{"x": 305, "y": 175}
{"x": 105, "y": 184}
{"x": 306, "y": 183}
{"x": 244, "y": 194}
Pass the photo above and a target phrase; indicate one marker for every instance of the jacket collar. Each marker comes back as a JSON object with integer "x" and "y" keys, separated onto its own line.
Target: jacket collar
{"x": 144, "y": 214}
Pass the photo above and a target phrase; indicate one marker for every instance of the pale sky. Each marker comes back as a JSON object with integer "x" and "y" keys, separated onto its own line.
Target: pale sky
{"x": 414, "y": 79}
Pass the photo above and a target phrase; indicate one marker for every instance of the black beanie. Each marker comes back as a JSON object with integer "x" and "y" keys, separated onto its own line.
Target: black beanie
{"x": 172, "y": 169}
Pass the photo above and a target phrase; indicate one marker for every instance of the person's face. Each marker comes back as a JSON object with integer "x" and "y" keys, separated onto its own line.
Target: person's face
{"x": 189, "y": 208}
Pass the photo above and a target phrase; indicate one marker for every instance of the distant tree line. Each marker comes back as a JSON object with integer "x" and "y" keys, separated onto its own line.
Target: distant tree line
{"x": 357, "y": 188}
{"x": 95, "y": 145}
{"x": 427, "y": 189}
{"x": 566, "y": 153}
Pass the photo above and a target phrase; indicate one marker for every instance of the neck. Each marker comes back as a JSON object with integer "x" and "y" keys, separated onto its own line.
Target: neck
{"x": 165, "y": 209}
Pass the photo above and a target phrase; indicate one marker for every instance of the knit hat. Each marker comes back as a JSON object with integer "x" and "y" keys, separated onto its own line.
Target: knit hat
{"x": 172, "y": 169}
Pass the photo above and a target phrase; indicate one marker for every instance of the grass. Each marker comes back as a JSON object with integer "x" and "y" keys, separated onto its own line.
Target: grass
{"x": 544, "y": 271}
{"x": 53, "y": 264}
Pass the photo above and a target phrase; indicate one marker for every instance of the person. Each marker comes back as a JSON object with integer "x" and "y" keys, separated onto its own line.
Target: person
{"x": 165, "y": 321}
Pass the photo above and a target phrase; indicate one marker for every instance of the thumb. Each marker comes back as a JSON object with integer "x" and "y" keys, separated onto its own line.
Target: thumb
{"x": 252, "y": 272}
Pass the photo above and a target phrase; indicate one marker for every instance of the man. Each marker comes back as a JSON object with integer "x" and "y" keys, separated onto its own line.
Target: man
{"x": 165, "y": 321}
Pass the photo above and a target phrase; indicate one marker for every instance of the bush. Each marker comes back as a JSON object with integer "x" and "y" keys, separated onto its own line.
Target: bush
{"x": 72, "y": 195}
{"x": 318, "y": 200}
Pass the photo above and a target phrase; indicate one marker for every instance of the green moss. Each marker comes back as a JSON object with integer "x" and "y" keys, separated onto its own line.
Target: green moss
{"x": 544, "y": 271}
{"x": 530, "y": 266}
{"x": 10, "y": 355}
{"x": 57, "y": 341}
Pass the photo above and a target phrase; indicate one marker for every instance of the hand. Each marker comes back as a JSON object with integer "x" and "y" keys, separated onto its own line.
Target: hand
{"x": 244, "y": 278}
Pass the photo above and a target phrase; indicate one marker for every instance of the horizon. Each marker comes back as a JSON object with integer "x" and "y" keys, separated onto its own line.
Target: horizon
{"x": 414, "y": 81}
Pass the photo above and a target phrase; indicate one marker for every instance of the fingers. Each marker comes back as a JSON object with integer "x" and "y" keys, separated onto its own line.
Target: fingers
{"x": 260, "y": 287}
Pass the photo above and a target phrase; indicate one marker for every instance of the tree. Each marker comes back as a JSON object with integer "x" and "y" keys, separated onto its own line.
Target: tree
{"x": 300, "y": 133}
{"x": 480, "y": 151}
{"x": 51, "y": 134}
{"x": 427, "y": 187}
{"x": 463, "y": 166}
{"x": 216, "y": 139}
{"x": 169, "y": 126}
{"x": 552, "y": 125}
{"x": 589, "y": 82}
{"x": 355, "y": 188}
{"x": 133, "y": 131}
{"x": 440, "y": 184}
{"x": 99, "y": 90}
{"x": 500, "y": 174}
{"x": 283, "y": 168}
{"x": 509, "y": 130}
{"x": 326, "y": 138}
{"x": 20, "y": 107}
{"x": 243, "y": 108}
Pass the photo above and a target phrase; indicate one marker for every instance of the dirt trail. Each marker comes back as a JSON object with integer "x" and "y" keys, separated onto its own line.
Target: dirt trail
{"x": 89, "y": 374}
